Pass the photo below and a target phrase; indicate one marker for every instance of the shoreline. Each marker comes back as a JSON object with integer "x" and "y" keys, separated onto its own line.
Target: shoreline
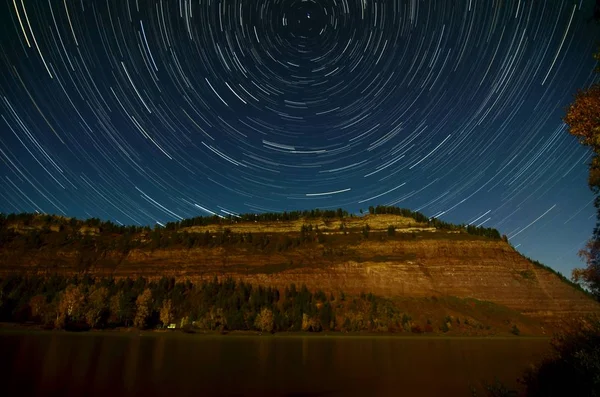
{"x": 24, "y": 329}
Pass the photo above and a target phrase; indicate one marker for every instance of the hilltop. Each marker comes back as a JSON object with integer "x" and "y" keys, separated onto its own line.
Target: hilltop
{"x": 396, "y": 254}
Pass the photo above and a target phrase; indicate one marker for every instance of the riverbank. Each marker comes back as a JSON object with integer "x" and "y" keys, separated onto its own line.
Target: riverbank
{"x": 15, "y": 328}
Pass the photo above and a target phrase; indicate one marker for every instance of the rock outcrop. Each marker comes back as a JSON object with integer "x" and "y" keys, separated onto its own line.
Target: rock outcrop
{"x": 413, "y": 261}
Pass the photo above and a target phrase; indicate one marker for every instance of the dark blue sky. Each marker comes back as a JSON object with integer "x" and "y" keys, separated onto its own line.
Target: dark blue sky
{"x": 144, "y": 112}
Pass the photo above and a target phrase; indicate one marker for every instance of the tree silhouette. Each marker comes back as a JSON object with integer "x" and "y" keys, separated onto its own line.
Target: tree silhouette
{"x": 583, "y": 121}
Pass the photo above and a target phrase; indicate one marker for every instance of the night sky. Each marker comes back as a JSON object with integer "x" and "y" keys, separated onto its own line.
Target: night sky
{"x": 152, "y": 111}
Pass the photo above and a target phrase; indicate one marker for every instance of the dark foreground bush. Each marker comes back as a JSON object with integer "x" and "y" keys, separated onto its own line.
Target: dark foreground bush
{"x": 188, "y": 329}
{"x": 573, "y": 369}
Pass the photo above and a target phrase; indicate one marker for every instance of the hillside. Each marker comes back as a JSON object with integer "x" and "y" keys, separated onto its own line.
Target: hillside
{"x": 390, "y": 252}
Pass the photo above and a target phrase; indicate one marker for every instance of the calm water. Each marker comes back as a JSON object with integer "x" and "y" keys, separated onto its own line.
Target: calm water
{"x": 96, "y": 364}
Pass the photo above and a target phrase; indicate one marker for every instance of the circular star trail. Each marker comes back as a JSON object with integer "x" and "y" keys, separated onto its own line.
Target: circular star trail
{"x": 153, "y": 111}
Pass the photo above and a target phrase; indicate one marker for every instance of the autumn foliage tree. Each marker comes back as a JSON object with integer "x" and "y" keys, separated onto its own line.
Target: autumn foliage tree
{"x": 117, "y": 307}
{"x": 97, "y": 306}
{"x": 583, "y": 121}
{"x": 166, "y": 312}
{"x": 37, "y": 305}
{"x": 71, "y": 306}
{"x": 264, "y": 320}
{"x": 143, "y": 306}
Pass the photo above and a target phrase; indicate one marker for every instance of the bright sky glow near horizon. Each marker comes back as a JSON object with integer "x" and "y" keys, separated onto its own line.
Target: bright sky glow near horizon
{"x": 145, "y": 112}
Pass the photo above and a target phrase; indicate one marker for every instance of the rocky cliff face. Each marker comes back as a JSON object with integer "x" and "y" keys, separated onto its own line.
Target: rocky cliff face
{"x": 426, "y": 264}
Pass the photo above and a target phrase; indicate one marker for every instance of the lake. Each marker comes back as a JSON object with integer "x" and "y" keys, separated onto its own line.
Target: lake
{"x": 175, "y": 364}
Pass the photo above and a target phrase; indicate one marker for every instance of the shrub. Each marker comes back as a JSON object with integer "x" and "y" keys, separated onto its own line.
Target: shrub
{"x": 188, "y": 329}
{"x": 264, "y": 320}
{"x": 498, "y": 389}
{"x": 365, "y": 231}
{"x": 515, "y": 330}
{"x": 445, "y": 327}
{"x": 405, "y": 319}
{"x": 573, "y": 368}
{"x": 527, "y": 274}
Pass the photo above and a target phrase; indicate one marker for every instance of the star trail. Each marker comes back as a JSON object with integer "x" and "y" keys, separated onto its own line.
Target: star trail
{"x": 144, "y": 112}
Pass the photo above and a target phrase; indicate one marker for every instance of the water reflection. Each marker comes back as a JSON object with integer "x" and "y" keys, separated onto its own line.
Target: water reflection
{"x": 131, "y": 359}
{"x": 176, "y": 364}
{"x": 158, "y": 355}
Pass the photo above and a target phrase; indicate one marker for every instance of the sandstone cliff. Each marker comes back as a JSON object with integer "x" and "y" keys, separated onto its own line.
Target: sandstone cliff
{"x": 412, "y": 260}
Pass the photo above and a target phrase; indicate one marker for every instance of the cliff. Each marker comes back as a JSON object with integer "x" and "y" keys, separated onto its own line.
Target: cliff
{"x": 389, "y": 255}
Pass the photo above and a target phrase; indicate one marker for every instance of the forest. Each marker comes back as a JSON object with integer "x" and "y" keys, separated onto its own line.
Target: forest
{"x": 83, "y": 302}
{"x": 34, "y": 231}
